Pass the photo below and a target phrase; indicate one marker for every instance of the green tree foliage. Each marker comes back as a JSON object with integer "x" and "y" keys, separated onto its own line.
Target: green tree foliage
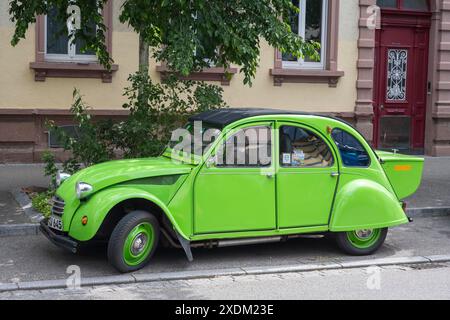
{"x": 224, "y": 32}
{"x": 50, "y": 169}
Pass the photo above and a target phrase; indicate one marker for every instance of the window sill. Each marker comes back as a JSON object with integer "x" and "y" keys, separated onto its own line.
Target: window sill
{"x": 209, "y": 74}
{"x": 281, "y": 76}
{"x": 72, "y": 70}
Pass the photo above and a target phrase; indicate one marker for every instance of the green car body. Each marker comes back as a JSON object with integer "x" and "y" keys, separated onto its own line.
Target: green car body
{"x": 198, "y": 203}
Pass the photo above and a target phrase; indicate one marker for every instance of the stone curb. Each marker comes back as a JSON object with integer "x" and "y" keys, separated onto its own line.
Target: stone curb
{"x": 25, "y": 202}
{"x": 201, "y": 274}
{"x": 428, "y": 211}
{"x": 183, "y": 275}
{"x": 23, "y": 229}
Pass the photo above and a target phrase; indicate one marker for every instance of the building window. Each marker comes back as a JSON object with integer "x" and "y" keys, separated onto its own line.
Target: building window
{"x": 55, "y": 141}
{"x": 56, "y": 56}
{"x": 387, "y": 3}
{"x": 420, "y": 5}
{"x": 415, "y": 5}
{"x": 318, "y": 20}
{"x": 310, "y": 24}
{"x": 210, "y": 72}
{"x": 59, "y": 46}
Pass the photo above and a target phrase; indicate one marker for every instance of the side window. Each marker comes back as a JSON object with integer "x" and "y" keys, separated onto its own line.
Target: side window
{"x": 352, "y": 152}
{"x": 248, "y": 148}
{"x": 301, "y": 148}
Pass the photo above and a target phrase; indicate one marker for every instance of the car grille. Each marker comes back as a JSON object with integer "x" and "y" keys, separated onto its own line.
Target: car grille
{"x": 57, "y": 206}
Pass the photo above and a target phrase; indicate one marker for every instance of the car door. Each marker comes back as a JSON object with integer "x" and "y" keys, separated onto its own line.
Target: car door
{"x": 237, "y": 192}
{"x": 307, "y": 177}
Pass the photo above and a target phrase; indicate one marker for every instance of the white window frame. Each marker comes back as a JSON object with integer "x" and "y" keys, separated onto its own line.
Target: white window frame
{"x": 71, "y": 55}
{"x": 301, "y": 63}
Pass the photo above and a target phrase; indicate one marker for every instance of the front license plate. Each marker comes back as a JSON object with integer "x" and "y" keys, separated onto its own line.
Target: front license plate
{"x": 55, "y": 223}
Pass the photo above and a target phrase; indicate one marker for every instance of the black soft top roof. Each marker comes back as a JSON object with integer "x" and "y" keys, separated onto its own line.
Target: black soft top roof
{"x": 220, "y": 118}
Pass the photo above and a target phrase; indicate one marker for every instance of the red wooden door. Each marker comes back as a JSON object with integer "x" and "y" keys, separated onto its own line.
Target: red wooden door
{"x": 401, "y": 82}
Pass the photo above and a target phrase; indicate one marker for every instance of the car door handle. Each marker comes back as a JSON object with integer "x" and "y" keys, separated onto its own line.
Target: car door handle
{"x": 335, "y": 174}
{"x": 270, "y": 175}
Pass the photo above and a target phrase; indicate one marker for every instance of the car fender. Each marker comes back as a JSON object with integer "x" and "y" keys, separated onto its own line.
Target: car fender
{"x": 365, "y": 204}
{"x": 100, "y": 204}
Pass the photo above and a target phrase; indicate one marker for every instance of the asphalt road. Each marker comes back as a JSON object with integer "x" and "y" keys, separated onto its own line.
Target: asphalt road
{"x": 31, "y": 258}
{"x": 10, "y": 211}
{"x": 416, "y": 282}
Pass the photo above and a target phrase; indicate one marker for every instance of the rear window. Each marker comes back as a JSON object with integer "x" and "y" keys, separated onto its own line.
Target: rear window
{"x": 352, "y": 152}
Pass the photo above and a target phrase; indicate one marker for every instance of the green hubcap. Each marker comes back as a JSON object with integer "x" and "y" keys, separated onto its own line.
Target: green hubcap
{"x": 364, "y": 239}
{"x": 138, "y": 244}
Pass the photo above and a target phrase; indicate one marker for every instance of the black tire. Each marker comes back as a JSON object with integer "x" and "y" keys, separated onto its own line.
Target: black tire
{"x": 120, "y": 234}
{"x": 346, "y": 245}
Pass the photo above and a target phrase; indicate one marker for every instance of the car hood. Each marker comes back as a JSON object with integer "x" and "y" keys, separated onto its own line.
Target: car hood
{"x": 110, "y": 173}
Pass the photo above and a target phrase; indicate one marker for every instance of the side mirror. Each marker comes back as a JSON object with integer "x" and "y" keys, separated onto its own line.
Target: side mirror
{"x": 211, "y": 162}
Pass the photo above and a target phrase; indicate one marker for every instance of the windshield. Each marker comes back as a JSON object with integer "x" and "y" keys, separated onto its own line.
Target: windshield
{"x": 194, "y": 138}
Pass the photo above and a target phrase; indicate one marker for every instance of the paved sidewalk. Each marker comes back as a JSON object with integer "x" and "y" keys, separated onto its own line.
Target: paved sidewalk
{"x": 13, "y": 176}
{"x": 10, "y": 211}
{"x": 434, "y": 190}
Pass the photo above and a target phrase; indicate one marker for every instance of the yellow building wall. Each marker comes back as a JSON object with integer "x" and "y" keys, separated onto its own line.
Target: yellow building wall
{"x": 18, "y": 89}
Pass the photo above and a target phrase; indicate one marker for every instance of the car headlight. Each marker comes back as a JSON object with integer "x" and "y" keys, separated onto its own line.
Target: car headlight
{"x": 61, "y": 177}
{"x": 82, "y": 189}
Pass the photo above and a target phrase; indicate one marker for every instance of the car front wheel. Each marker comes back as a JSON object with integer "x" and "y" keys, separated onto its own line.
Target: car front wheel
{"x": 361, "y": 242}
{"x": 133, "y": 241}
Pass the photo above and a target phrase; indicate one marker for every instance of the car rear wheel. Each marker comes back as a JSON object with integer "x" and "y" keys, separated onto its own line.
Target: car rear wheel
{"x": 133, "y": 241}
{"x": 361, "y": 242}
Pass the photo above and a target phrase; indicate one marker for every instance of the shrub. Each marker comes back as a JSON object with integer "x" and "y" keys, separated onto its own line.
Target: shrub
{"x": 156, "y": 109}
{"x": 89, "y": 145}
{"x": 41, "y": 202}
{"x": 50, "y": 169}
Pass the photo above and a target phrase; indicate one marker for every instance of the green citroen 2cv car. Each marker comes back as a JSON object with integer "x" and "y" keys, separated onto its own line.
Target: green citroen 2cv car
{"x": 252, "y": 176}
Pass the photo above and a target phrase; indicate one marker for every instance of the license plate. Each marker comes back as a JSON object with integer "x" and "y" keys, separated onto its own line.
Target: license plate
{"x": 55, "y": 223}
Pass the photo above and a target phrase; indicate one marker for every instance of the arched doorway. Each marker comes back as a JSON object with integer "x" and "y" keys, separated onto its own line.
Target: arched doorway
{"x": 400, "y": 84}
